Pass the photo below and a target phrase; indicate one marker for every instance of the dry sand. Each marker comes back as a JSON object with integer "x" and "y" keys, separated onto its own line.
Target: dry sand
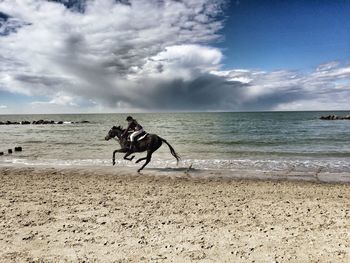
{"x": 105, "y": 215}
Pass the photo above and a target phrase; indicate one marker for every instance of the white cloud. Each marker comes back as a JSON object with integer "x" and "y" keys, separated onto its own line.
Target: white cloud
{"x": 327, "y": 87}
{"x": 185, "y": 61}
{"x": 60, "y": 99}
{"x": 3, "y": 107}
{"x": 96, "y": 54}
{"x": 144, "y": 55}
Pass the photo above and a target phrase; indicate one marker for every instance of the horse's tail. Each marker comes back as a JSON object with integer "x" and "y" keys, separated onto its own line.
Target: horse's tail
{"x": 172, "y": 151}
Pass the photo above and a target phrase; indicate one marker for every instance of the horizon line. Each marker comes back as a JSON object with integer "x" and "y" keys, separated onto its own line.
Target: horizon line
{"x": 160, "y": 112}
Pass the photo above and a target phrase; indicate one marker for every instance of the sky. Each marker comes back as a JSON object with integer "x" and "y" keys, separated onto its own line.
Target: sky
{"x": 96, "y": 56}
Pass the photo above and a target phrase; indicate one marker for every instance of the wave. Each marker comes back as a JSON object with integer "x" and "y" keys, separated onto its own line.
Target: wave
{"x": 276, "y": 142}
{"x": 289, "y": 154}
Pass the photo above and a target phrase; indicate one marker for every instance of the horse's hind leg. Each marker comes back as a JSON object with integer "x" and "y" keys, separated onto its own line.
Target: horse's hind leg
{"x": 126, "y": 156}
{"x": 149, "y": 152}
{"x": 141, "y": 159}
{"x": 148, "y": 159}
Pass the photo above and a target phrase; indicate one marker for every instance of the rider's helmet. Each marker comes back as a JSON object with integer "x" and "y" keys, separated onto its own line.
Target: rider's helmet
{"x": 129, "y": 118}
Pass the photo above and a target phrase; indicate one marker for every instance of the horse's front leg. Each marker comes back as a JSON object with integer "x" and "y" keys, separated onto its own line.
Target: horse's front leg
{"x": 117, "y": 151}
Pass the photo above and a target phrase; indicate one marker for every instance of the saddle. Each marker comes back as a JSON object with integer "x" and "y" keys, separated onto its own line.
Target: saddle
{"x": 139, "y": 137}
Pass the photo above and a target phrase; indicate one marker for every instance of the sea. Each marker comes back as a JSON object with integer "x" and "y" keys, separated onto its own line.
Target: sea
{"x": 280, "y": 142}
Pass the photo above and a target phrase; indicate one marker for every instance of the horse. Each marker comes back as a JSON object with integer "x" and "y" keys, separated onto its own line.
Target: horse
{"x": 150, "y": 143}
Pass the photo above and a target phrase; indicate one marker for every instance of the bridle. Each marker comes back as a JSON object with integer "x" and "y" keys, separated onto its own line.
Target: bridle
{"x": 116, "y": 135}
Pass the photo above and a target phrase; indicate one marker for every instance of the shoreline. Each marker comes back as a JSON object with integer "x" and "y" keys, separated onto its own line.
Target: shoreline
{"x": 317, "y": 176}
{"x": 74, "y": 215}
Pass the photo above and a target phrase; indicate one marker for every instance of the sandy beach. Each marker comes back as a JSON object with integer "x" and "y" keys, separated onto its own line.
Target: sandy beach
{"x": 110, "y": 215}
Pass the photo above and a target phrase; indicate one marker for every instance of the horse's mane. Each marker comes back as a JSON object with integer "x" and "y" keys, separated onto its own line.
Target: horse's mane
{"x": 119, "y": 127}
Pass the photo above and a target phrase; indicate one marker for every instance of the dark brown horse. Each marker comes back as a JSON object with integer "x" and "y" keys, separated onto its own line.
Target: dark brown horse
{"x": 150, "y": 143}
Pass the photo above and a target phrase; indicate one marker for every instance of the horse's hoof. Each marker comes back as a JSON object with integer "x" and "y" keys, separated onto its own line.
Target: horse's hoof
{"x": 139, "y": 171}
{"x": 132, "y": 157}
{"x": 113, "y": 163}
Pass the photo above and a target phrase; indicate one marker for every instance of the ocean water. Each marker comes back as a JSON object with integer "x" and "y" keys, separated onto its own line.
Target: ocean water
{"x": 261, "y": 141}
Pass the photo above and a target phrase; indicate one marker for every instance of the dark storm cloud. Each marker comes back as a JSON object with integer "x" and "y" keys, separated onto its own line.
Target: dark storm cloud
{"x": 39, "y": 80}
{"x": 270, "y": 101}
{"x": 206, "y": 92}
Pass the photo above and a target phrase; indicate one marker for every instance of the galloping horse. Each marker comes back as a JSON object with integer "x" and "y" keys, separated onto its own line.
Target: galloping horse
{"x": 150, "y": 143}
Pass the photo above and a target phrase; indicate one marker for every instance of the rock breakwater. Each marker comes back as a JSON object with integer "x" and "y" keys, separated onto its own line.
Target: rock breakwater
{"x": 40, "y": 122}
{"x": 335, "y": 117}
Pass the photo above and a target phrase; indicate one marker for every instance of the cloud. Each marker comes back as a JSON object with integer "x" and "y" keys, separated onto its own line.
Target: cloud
{"x": 102, "y": 50}
{"x": 143, "y": 55}
{"x": 3, "y": 107}
{"x": 327, "y": 87}
{"x": 60, "y": 99}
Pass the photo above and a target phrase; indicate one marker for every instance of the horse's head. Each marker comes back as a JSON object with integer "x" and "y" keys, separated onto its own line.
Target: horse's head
{"x": 114, "y": 132}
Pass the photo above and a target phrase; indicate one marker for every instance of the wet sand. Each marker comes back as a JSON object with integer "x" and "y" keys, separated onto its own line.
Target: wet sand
{"x": 111, "y": 215}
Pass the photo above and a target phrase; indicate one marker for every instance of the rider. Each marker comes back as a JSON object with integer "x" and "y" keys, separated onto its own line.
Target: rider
{"x": 134, "y": 126}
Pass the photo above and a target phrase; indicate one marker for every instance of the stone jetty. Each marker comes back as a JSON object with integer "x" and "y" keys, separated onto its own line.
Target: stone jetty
{"x": 40, "y": 122}
{"x": 335, "y": 117}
